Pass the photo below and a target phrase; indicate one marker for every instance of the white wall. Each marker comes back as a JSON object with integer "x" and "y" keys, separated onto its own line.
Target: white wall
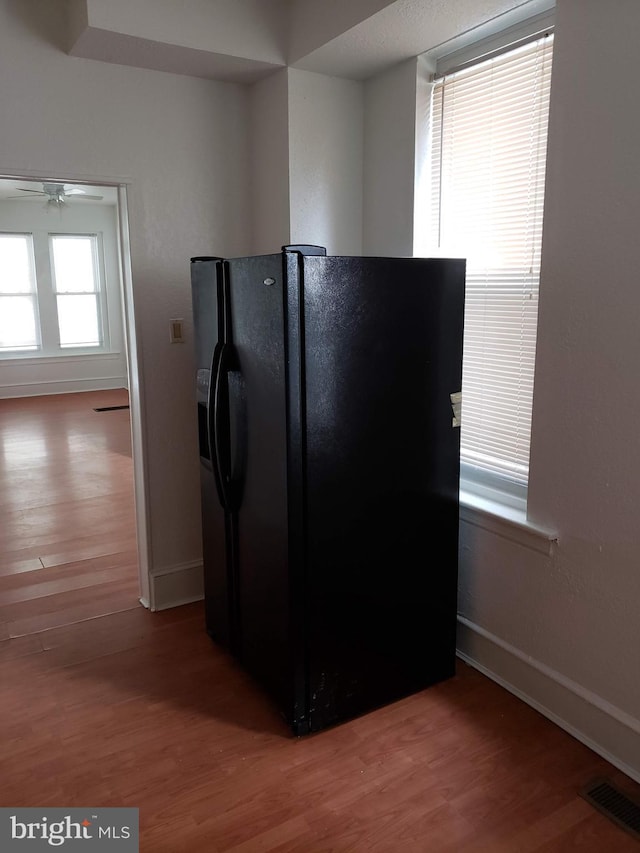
{"x": 325, "y": 161}
{"x": 390, "y": 160}
{"x": 270, "y": 213}
{"x": 243, "y": 28}
{"x": 181, "y": 145}
{"x": 306, "y": 162}
{"x": 563, "y": 628}
{"x": 22, "y": 377}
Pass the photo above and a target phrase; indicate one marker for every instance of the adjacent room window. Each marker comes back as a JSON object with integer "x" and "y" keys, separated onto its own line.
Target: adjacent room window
{"x": 76, "y": 285}
{"x": 488, "y": 152}
{"x": 52, "y": 298}
{"x": 18, "y": 305}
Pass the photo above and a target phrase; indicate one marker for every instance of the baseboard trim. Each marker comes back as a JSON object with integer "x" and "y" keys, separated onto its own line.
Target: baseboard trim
{"x": 173, "y": 586}
{"x": 602, "y": 727}
{"x": 61, "y": 386}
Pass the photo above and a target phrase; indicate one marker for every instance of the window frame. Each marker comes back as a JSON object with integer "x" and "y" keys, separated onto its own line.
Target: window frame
{"x": 46, "y": 298}
{"x": 99, "y": 292}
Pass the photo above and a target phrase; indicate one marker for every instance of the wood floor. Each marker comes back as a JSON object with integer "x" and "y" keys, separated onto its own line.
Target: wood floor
{"x": 67, "y": 517}
{"x": 140, "y": 709}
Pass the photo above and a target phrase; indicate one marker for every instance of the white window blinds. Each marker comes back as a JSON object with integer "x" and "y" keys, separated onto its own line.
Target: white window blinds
{"x": 488, "y": 150}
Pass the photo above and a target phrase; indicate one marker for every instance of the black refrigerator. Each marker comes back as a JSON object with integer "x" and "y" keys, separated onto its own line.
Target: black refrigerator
{"x": 329, "y": 460}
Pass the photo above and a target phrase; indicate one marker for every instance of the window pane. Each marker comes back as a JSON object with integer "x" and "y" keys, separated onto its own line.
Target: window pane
{"x": 17, "y": 323}
{"x": 73, "y": 264}
{"x": 78, "y": 321}
{"x": 15, "y": 264}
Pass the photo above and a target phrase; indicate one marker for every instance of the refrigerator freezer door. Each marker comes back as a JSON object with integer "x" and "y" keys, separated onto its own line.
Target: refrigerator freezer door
{"x": 382, "y": 354}
{"x": 258, "y": 293}
{"x": 207, "y": 295}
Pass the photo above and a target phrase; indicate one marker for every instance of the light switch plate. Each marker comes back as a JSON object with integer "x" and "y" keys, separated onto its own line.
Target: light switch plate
{"x": 176, "y": 331}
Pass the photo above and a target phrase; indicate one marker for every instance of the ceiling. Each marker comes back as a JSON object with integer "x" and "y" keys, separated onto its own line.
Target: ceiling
{"x": 245, "y": 40}
{"x": 408, "y": 28}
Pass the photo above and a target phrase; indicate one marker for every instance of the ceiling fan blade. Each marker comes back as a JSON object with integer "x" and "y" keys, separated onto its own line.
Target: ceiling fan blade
{"x": 24, "y": 198}
{"x": 56, "y": 191}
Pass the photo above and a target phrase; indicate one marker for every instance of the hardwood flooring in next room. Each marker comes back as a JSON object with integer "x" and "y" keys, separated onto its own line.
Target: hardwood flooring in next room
{"x": 67, "y": 515}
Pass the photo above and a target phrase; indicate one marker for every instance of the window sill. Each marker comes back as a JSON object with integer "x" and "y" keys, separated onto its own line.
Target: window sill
{"x": 506, "y": 521}
{"x": 72, "y": 355}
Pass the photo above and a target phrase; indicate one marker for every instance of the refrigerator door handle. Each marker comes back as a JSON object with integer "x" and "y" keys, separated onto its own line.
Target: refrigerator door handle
{"x": 221, "y": 426}
{"x": 215, "y": 406}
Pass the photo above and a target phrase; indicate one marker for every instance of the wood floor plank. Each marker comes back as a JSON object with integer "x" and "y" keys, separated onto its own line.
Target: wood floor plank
{"x": 286, "y": 831}
{"x": 75, "y": 582}
{"x": 51, "y": 493}
{"x": 14, "y": 567}
{"x": 31, "y": 617}
{"x": 20, "y": 646}
{"x": 43, "y": 525}
{"x": 88, "y": 548}
{"x": 135, "y": 622}
{"x": 99, "y": 636}
{"x": 43, "y": 574}
{"x": 74, "y": 549}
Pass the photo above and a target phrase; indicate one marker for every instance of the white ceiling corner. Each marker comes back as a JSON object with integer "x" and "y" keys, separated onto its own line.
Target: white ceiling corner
{"x": 245, "y": 40}
{"x": 409, "y": 28}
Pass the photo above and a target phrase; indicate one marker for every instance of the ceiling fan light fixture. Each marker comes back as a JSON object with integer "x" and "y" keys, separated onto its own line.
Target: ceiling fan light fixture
{"x": 54, "y": 191}
{"x": 55, "y": 195}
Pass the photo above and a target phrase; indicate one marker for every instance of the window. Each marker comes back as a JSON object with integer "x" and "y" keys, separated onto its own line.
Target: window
{"x": 52, "y": 300}
{"x": 488, "y": 152}
{"x": 76, "y": 288}
{"x": 18, "y": 308}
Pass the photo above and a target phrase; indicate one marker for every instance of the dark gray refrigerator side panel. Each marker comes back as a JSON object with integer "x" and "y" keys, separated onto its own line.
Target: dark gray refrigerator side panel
{"x": 382, "y": 354}
{"x": 257, "y": 309}
{"x": 206, "y": 288}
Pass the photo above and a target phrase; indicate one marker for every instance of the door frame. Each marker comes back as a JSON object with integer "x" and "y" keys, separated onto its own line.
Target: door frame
{"x": 133, "y": 360}
{"x": 136, "y": 407}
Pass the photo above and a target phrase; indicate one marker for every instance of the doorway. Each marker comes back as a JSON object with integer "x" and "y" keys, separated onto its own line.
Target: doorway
{"x": 71, "y": 468}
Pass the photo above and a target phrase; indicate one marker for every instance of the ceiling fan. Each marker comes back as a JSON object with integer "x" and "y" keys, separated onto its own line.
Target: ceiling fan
{"x": 57, "y": 194}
